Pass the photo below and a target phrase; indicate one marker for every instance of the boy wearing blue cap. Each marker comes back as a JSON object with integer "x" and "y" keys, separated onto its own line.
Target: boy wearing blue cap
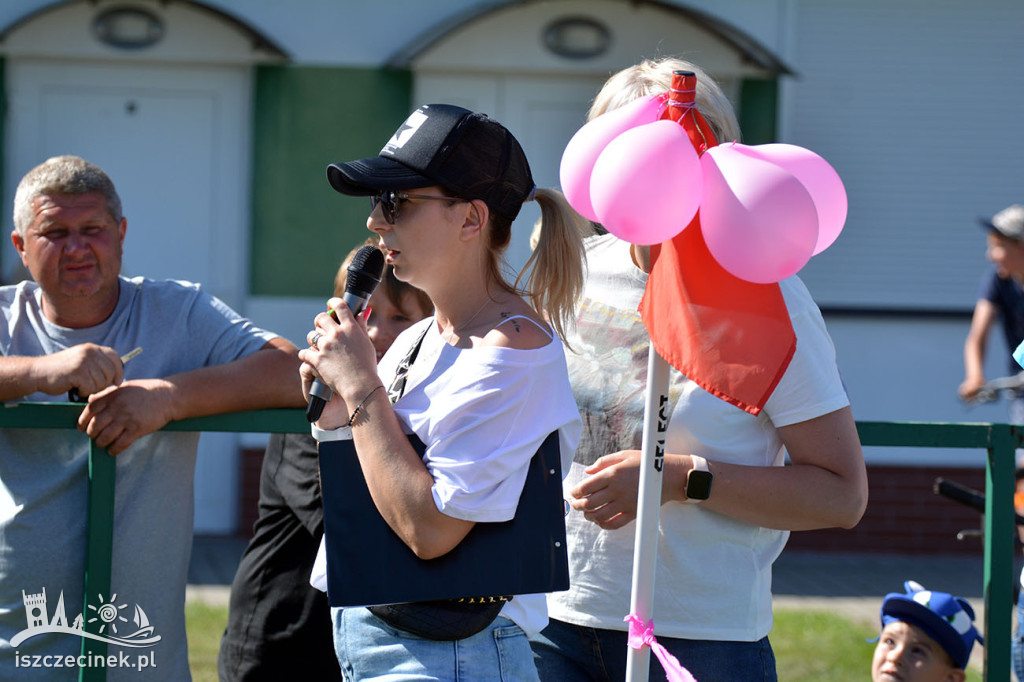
{"x": 926, "y": 637}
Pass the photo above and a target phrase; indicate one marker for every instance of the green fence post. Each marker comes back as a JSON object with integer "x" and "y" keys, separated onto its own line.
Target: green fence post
{"x": 999, "y": 530}
{"x": 98, "y": 548}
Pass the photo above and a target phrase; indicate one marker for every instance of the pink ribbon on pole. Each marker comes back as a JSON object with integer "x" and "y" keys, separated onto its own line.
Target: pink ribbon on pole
{"x": 641, "y": 633}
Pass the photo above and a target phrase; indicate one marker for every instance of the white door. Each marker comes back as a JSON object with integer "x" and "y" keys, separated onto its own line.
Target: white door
{"x": 175, "y": 142}
{"x": 542, "y": 112}
{"x": 171, "y": 138}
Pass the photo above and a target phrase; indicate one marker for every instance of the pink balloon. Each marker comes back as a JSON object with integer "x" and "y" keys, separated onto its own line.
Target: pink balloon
{"x": 646, "y": 184}
{"x": 589, "y": 141}
{"x": 817, "y": 177}
{"x": 758, "y": 220}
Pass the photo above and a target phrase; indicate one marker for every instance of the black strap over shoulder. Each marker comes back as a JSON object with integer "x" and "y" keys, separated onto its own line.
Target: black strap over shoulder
{"x": 397, "y": 388}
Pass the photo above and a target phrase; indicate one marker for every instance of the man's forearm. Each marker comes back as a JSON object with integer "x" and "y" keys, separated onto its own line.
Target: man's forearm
{"x": 265, "y": 379}
{"x": 16, "y": 377}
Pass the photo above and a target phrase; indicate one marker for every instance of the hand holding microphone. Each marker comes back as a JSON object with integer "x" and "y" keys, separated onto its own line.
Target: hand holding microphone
{"x": 364, "y": 274}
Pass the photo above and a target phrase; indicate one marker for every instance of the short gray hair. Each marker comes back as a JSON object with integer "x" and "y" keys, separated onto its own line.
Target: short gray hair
{"x": 62, "y": 175}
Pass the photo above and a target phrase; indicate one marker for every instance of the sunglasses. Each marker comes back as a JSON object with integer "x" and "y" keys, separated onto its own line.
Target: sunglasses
{"x": 391, "y": 202}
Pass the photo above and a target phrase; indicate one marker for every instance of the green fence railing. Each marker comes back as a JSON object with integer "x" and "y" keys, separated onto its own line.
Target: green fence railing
{"x": 998, "y": 440}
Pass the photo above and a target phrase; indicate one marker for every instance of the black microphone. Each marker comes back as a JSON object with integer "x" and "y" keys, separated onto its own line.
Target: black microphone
{"x": 364, "y": 274}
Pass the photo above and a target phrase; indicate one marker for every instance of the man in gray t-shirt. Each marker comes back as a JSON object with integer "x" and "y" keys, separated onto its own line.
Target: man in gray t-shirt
{"x": 67, "y": 331}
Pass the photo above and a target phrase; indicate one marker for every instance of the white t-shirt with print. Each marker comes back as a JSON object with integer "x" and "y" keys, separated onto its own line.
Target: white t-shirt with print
{"x": 713, "y": 576}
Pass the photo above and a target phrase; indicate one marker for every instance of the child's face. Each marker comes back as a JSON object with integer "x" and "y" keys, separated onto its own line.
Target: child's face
{"x": 1007, "y": 254}
{"x": 386, "y": 321}
{"x": 905, "y": 654}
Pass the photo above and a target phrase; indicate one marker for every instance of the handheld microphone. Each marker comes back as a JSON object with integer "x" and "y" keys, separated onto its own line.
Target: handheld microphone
{"x": 364, "y": 274}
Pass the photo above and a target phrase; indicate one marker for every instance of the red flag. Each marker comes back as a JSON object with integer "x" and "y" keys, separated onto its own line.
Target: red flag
{"x": 732, "y": 337}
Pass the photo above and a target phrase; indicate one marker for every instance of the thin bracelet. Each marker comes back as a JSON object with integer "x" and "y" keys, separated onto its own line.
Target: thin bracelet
{"x": 359, "y": 407}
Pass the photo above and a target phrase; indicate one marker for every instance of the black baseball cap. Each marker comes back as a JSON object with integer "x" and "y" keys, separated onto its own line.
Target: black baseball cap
{"x": 471, "y": 155}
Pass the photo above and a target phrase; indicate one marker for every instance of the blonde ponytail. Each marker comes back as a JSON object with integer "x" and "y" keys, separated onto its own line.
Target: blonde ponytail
{"x": 557, "y": 267}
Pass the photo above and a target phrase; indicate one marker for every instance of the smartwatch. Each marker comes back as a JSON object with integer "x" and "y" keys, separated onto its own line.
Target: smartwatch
{"x": 698, "y": 481}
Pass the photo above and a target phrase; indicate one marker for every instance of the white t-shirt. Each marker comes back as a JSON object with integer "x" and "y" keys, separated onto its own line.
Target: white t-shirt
{"x": 713, "y": 576}
{"x": 483, "y": 414}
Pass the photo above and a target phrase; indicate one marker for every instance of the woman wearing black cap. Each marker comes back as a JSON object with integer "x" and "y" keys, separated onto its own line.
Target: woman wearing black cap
{"x": 488, "y": 383}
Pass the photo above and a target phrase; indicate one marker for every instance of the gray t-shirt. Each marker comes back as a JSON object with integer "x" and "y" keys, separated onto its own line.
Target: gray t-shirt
{"x": 43, "y": 479}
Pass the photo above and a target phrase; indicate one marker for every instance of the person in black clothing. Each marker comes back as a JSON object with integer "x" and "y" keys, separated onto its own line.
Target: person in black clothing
{"x": 275, "y": 617}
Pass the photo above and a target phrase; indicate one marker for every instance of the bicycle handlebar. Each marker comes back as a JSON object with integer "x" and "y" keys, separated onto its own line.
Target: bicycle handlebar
{"x": 989, "y": 392}
{"x": 966, "y": 496}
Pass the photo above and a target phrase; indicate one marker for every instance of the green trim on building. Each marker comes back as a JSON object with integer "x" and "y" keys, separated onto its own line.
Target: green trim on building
{"x": 758, "y": 111}
{"x": 304, "y": 119}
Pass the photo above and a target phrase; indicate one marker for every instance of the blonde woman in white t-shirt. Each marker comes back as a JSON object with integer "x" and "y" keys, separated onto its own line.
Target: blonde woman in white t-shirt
{"x": 712, "y": 594}
{"x": 488, "y": 384}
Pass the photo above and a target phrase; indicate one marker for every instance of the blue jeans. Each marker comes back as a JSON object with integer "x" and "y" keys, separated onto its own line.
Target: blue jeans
{"x": 571, "y": 653}
{"x": 370, "y": 649}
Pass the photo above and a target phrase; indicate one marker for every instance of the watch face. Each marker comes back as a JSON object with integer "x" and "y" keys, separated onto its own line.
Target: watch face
{"x": 698, "y": 485}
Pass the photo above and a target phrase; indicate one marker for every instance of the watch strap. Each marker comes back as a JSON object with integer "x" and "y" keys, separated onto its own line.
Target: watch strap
{"x": 699, "y": 463}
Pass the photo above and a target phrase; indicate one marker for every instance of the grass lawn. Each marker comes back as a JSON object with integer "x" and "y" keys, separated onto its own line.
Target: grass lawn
{"x": 205, "y": 624}
{"x": 818, "y": 645}
{"x": 810, "y": 646}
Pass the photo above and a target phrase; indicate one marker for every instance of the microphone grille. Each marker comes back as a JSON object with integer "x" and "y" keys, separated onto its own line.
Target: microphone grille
{"x": 366, "y": 270}
{"x": 369, "y": 259}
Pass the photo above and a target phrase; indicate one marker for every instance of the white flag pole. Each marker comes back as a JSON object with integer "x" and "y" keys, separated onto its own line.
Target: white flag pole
{"x": 648, "y": 509}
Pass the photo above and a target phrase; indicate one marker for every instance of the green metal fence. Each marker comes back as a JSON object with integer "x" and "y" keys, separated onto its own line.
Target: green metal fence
{"x": 998, "y": 440}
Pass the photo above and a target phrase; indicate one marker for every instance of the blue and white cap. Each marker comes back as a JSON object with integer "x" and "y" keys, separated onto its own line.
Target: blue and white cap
{"x": 947, "y": 619}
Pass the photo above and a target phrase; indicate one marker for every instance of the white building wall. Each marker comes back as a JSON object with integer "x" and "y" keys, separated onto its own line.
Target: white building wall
{"x": 917, "y": 104}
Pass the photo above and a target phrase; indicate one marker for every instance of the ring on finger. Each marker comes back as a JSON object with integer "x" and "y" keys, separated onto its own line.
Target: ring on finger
{"x": 313, "y": 342}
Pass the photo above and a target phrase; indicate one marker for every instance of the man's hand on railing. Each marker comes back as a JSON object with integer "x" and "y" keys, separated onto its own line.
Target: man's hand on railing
{"x": 86, "y": 367}
{"x": 117, "y": 416}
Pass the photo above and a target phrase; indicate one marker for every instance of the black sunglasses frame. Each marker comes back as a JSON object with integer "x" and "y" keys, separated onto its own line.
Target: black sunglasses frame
{"x": 391, "y": 202}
